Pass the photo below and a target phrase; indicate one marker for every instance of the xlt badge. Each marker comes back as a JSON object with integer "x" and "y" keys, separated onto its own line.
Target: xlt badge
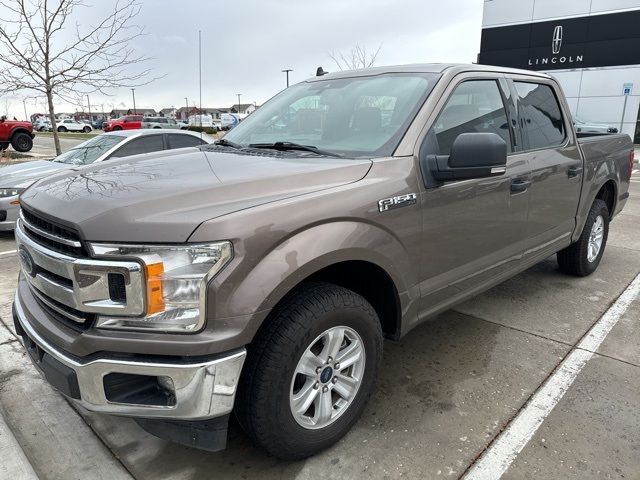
{"x": 397, "y": 202}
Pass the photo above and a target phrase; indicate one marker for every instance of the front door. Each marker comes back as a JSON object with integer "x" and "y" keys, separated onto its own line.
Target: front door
{"x": 474, "y": 230}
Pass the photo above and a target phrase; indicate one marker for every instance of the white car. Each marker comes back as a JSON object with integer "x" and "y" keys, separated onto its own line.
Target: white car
{"x": 42, "y": 125}
{"x": 70, "y": 125}
{"x": 595, "y": 128}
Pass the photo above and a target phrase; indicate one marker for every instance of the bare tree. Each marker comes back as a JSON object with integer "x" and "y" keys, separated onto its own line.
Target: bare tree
{"x": 358, "y": 57}
{"x": 43, "y": 50}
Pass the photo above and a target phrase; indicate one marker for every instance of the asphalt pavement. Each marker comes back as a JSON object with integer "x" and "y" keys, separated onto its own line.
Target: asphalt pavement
{"x": 44, "y": 147}
{"x": 448, "y": 393}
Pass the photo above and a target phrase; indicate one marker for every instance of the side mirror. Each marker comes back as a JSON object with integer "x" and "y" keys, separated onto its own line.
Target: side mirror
{"x": 473, "y": 155}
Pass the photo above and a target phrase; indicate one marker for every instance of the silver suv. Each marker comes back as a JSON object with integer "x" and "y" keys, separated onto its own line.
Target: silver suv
{"x": 162, "y": 122}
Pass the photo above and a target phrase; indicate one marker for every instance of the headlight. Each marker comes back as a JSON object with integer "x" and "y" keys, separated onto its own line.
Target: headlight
{"x": 176, "y": 282}
{"x": 10, "y": 192}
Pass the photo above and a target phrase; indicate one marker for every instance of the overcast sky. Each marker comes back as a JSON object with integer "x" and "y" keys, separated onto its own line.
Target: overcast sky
{"x": 246, "y": 44}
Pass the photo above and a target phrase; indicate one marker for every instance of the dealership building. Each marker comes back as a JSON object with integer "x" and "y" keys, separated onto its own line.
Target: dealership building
{"x": 591, "y": 46}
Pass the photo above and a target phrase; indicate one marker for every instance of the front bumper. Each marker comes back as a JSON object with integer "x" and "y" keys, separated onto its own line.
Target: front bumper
{"x": 199, "y": 390}
{"x": 8, "y": 213}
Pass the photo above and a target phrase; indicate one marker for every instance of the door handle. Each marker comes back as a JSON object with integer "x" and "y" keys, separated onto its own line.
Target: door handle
{"x": 519, "y": 185}
{"x": 574, "y": 171}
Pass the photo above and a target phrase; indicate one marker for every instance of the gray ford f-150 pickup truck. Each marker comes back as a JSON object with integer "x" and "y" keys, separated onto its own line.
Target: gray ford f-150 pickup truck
{"x": 260, "y": 275}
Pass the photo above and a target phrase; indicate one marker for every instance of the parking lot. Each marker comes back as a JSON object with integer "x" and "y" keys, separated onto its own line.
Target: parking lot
{"x": 444, "y": 395}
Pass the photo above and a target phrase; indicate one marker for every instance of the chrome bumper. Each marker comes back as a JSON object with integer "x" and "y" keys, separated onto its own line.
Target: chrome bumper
{"x": 202, "y": 390}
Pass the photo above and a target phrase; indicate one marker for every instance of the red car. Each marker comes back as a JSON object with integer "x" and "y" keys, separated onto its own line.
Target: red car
{"x": 18, "y": 134}
{"x": 128, "y": 122}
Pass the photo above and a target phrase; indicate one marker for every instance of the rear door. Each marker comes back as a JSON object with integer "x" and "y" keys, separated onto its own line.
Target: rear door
{"x": 474, "y": 230}
{"x": 555, "y": 161}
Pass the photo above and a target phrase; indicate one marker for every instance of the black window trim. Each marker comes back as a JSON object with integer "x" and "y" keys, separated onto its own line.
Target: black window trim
{"x": 566, "y": 142}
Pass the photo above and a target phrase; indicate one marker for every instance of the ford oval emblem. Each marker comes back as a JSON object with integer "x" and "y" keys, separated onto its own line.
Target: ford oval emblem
{"x": 27, "y": 261}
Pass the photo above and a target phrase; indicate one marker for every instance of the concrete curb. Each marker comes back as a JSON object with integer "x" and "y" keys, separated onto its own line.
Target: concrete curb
{"x": 15, "y": 463}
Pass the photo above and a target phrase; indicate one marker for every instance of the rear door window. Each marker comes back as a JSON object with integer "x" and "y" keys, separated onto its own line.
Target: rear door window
{"x": 183, "y": 141}
{"x": 475, "y": 106}
{"x": 146, "y": 144}
{"x": 540, "y": 116}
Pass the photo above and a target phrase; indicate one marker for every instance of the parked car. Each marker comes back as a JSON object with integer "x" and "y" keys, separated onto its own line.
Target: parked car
{"x": 42, "y": 125}
{"x": 128, "y": 122}
{"x": 17, "y": 134}
{"x": 14, "y": 179}
{"x": 230, "y": 120}
{"x": 259, "y": 275}
{"x": 97, "y": 125}
{"x": 593, "y": 128}
{"x": 70, "y": 125}
{"x": 161, "y": 122}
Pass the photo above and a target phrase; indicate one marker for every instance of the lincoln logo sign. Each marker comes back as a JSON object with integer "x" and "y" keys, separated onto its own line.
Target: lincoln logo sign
{"x": 557, "y": 40}
{"x": 556, "y": 46}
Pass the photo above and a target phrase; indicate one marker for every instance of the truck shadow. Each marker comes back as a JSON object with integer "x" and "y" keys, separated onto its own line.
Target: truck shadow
{"x": 419, "y": 381}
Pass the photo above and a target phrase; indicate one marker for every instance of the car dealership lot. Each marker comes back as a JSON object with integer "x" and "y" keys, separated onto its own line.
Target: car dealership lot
{"x": 444, "y": 394}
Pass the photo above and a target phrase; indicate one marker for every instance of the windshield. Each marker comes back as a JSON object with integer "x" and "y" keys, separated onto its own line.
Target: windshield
{"x": 89, "y": 151}
{"x": 360, "y": 116}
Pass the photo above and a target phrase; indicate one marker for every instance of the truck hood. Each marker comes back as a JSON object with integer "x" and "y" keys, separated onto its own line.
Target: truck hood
{"x": 163, "y": 197}
{"x": 22, "y": 175}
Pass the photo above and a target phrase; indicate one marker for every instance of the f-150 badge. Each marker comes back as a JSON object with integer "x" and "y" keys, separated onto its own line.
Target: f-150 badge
{"x": 397, "y": 202}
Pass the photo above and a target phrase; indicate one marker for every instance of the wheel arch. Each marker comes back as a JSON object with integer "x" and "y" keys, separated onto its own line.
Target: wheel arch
{"x": 377, "y": 267}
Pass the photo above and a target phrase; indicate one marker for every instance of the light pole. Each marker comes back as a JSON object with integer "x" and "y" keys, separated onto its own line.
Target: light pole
{"x": 133, "y": 91}
{"x": 239, "y": 95}
{"x": 24, "y": 104}
{"x": 186, "y": 113}
{"x": 287, "y": 72}
{"x": 89, "y": 103}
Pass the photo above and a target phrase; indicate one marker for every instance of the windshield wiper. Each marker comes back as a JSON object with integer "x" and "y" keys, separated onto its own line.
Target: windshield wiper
{"x": 295, "y": 146}
{"x": 228, "y": 143}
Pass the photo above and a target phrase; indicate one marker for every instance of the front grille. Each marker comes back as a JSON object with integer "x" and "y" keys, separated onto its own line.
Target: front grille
{"x": 58, "y": 313}
{"x": 50, "y": 235}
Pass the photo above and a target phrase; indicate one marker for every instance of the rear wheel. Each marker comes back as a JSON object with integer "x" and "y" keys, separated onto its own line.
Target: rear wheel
{"x": 310, "y": 371}
{"x": 22, "y": 142}
{"x": 583, "y": 257}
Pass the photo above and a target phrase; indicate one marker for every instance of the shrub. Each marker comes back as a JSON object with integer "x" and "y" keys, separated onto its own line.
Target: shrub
{"x": 208, "y": 130}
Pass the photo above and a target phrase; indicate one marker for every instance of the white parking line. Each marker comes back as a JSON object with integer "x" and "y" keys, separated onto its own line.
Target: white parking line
{"x": 8, "y": 252}
{"x": 495, "y": 461}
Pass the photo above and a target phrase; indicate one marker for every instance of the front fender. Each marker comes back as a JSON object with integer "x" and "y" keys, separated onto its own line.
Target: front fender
{"x": 261, "y": 286}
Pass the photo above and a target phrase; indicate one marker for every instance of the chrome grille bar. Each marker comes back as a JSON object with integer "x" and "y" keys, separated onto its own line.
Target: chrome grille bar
{"x": 56, "y": 308}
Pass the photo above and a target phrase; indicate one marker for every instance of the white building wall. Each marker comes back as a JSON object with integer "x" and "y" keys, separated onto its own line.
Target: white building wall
{"x": 594, "y": 94}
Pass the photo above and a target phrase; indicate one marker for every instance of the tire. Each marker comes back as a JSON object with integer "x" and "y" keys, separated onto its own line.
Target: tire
{"x": 62, "y": 129}
{"x": 116, "y": 129}
{"x": 582, "y": 258}
{"x": 41, "y": 129}
{"x": 21, "y": 142}
{"x": 86, "y": 129}
{"x": 269, "y": 379}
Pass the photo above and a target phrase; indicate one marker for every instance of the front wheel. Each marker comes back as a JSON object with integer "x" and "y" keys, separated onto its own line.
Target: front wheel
{"x": 583, "y": 257}
{"x": 310, "y": 371}
{"x": 22, "y": 142}
{"x": 62, "y": 129}
{"x": 86, "y": 129}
